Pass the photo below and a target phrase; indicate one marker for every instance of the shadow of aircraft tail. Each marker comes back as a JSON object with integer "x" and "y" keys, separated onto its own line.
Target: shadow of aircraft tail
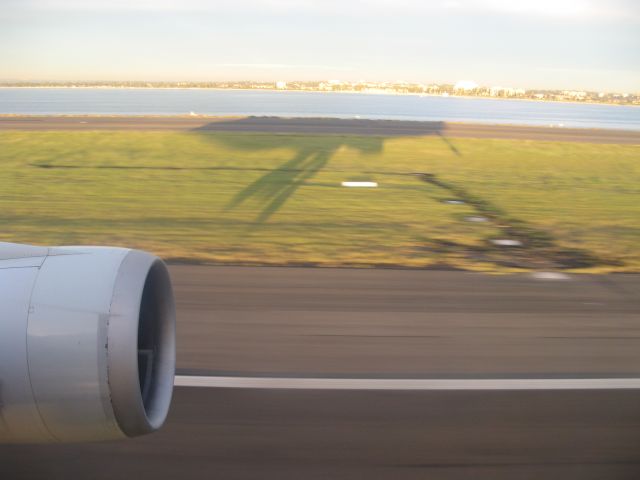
{"x": 275, "y": 187}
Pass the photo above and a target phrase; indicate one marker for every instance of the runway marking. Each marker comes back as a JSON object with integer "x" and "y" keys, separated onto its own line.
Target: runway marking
{"x": 409, "y": 384}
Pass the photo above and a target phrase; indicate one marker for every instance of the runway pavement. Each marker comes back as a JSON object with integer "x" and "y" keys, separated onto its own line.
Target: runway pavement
{"x": 404, "y": 323}
{"x": 297, "y": 322}
{"x": 317, "y": 126}
{"x": 281, "y": 434}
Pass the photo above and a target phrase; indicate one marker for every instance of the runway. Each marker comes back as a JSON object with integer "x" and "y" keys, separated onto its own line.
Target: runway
{"x": 316, "y": 126}
{"x": 281, "y": 434}
{"x": 404, "y": 323}
{"x": 329, "y": 325}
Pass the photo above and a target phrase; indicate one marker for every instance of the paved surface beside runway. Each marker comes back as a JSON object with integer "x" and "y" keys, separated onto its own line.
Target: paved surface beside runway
{"x": 404, "y": 323}
{"x": 280, "y": 435}
{"x": 317, "y": 126}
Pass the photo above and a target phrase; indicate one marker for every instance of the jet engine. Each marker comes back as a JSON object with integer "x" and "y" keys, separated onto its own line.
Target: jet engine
{"x": 87, "y": 343}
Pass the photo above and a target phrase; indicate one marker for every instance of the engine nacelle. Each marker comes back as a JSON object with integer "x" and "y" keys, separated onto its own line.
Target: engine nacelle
{"x": 87, "y": 343}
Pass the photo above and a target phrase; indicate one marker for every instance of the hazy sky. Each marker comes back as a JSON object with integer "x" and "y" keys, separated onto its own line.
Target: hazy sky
{"x": 577, "y": 44}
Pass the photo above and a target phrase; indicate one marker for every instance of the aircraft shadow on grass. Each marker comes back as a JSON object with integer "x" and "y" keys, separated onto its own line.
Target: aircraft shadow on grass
{"x": 275, "y": 187}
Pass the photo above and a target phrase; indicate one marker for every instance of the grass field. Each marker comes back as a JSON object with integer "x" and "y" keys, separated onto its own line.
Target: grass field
{"x": 276, "y": 199}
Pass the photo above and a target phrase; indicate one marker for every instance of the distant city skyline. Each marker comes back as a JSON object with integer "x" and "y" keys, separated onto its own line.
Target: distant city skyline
{"x": 543, "y": 44}
{"x": 461, "y": 87}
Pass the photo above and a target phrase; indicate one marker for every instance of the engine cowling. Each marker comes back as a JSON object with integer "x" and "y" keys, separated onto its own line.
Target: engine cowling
{"x": 87, "y": 343}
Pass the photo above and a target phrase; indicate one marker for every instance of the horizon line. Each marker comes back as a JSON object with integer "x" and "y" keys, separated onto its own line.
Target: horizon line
{"x": 352, "y": 82}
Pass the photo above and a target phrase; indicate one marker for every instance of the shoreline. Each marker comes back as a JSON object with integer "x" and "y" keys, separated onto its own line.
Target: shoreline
{"x": 348, "y": 92}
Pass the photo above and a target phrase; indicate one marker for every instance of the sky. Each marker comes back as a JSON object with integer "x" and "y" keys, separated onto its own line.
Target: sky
{"x": 564, "y": 44}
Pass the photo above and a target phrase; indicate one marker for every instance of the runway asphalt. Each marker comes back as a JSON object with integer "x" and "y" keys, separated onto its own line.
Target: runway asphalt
{"x": 317, "y": 126}
{"x": 404, "y": 323}
{"x": 281, "y": 435}
{"x": 298, "y": 322}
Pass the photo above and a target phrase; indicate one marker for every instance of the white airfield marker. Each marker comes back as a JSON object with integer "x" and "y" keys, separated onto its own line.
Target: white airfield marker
{"x": 550, "y": 276}
{"x": 507, "y": 243}
{"x": 409, "y": 384}
{"x": 360, "y": 184}
{"x": 476, "y": 219}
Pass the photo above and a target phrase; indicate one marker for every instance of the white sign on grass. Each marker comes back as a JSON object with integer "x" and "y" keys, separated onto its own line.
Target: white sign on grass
{"x": 360, "y": 184}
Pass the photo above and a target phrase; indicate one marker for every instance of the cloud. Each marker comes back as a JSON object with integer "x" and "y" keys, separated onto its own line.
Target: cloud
{"x": 281, "y": 66}
{"x": 550, "y": 8}
{"x": 627, "y": 10}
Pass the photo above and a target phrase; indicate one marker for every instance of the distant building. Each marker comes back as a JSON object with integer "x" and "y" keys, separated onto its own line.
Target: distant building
{"x": 281, "y": 85}
{"x": 506, "y": 92}
{"x": 574, "y": 94}
{"x": 465, "y": 86}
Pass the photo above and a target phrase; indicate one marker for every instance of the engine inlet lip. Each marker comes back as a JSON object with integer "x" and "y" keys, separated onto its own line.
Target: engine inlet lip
{"x": 142, "y": 288}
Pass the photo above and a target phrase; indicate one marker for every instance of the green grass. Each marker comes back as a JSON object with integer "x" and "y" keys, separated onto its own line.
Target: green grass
{"x": 277, "y": 199}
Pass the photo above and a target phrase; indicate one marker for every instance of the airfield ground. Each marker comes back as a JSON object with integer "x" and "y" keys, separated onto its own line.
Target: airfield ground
{"x": 268, "y": 191}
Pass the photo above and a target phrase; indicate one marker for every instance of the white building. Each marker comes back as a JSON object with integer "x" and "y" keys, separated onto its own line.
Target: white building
{"x": 575, "y": 94}
{"x": 465, "y": 86}
{"x": 506, "y": 92}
